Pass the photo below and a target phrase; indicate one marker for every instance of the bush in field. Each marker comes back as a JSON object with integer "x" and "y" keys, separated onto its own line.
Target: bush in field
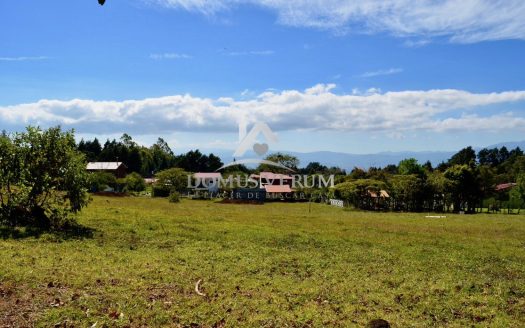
{"x": 175, "y": 179}
{"x": 159, "y": 191}
{"x": 43, "y": 178}
{"x": 134, "y": 182}
{"x": 174, "y": 197}
{"x": 99, "y": 181}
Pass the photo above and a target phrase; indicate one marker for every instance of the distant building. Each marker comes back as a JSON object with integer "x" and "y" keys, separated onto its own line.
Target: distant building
{"x": 275, "y": 184}
{"x": 505, "y": 186}
{"x": 118, "y": 169}
{"x": 381, "y": 194}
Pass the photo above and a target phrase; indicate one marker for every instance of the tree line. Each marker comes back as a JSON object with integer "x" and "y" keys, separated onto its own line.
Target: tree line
{"x": 466, "y": 182}
{"x": 147, "y": 161}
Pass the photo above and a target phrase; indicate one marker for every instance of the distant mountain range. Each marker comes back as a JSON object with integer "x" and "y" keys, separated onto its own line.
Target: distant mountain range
{"x": 349, "y": 161}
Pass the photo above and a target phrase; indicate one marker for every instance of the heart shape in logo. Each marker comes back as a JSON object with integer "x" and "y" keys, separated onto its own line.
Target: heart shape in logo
{"x": 260, "y": 149}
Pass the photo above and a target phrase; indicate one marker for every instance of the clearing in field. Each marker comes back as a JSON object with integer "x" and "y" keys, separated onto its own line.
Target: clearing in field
{"x": 272, "y": 265}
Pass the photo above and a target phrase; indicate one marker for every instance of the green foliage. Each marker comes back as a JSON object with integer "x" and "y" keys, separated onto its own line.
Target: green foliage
{"x": 408, "y": 191}
{"x": 99, "y": 181}
{"x": 410, "y": 166}
{"x": 159, "y": 191}
{"x": 357, "y": 192}
{"x": 290, "y": 161}
{"x": 134, "y": 182}
{"x": 43, "y": 178}
{"x": 174, "y": 197}
{"x": 520, "y": 189}
{"x": 195, "y": 161}
{"x": 464, "y": 187}
{"x": 466, "y": 156}
{"x": 168, "y": 181}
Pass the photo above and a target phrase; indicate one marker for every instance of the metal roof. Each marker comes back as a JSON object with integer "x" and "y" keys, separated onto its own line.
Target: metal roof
{"x": 205, "y": 175}
{"x": 102, "y": 166}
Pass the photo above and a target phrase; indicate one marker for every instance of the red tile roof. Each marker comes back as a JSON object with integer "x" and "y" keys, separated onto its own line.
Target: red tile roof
{"x": 505, "y": 186}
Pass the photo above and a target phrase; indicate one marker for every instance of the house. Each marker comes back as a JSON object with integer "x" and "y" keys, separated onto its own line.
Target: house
{"x": 382, "y": 194}
{"x": 505, "y": 186}
{"x": 276, "y": 185}
{"x": 118, "y": 169}
{"x": 378, "y": 200}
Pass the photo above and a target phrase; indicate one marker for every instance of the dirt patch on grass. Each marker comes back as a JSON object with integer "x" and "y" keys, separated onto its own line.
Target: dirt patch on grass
{"x": 17, "y": 309}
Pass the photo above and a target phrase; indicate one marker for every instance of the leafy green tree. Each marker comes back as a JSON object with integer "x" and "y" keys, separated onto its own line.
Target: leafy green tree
{"x": 195, "y": 161}
{"x": 357, "y": 192}
{"x": 519, "y": 190}
{"x": 466, "y": 156}
{"x": 43, "y": 178}
{"x": 437, "y": 184}
{"x": 287, "y": 160}
{"x": 357, "y": 173}
{"x": 464, "y": 187}
{"x": 410, "y": 166}
{"x": 99, "y": 181}
{"x": 134, "y": 182}
{"x": 408, "y": 192}
{"x": 314, "y": 167}
{"x": 175, "y": 179}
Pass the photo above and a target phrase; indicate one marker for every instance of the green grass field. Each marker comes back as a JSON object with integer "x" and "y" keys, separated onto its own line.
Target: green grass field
{"x": 272, "y": 265}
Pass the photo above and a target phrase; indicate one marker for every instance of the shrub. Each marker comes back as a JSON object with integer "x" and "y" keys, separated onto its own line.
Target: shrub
{"x": 134, "y": 182}
{"x": 174, "y": 197}
{"x": 168, "y": 181}
{"x": 43, "y": 178}
{"x": 160, "y": 191}
{"x": 100, "y": 181}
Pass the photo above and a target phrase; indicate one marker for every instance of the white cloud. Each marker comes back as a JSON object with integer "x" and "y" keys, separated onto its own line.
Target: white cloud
{"x": 169, "y": 56}
{"x": 316, "y": 108}
{"x": 389, "y": 71}
{"x": 23, "y": 58}
{"x": 463, "y": 21}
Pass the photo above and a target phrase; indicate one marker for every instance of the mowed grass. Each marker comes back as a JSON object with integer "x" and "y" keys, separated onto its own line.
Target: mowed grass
{"x": 272, "y": 265}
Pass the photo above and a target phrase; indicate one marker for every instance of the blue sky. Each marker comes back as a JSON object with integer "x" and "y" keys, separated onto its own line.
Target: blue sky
{"x": 357, "y": 78}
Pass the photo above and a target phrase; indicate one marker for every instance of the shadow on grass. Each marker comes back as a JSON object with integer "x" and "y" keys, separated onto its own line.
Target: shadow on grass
{"x": 71, "y": 232}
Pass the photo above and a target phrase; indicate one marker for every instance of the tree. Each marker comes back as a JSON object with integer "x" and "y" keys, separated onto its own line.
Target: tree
{"x": 287, "y": 160}
{"x": 466, "y": 156}
{"x": 99, "y": 181}
{"x": 357, "y": 173}
{"x": 315, "y": 167}
{"x": 170, "y": 180}
{"x": 357, "y": 192}
{"x": 43, "y": 178}
{"x": 134, "y": 182}
{"x": 464, "y": 187}
{"x": 436, "y": 184}
{"x": 408, "y": 191}
{"x": 214, "y": 163}
{"x": 410, "y": 166}
{"x": 519, "y": 190}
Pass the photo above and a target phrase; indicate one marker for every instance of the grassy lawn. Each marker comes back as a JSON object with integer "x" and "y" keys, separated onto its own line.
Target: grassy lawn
{"x": 272, "y": 265}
